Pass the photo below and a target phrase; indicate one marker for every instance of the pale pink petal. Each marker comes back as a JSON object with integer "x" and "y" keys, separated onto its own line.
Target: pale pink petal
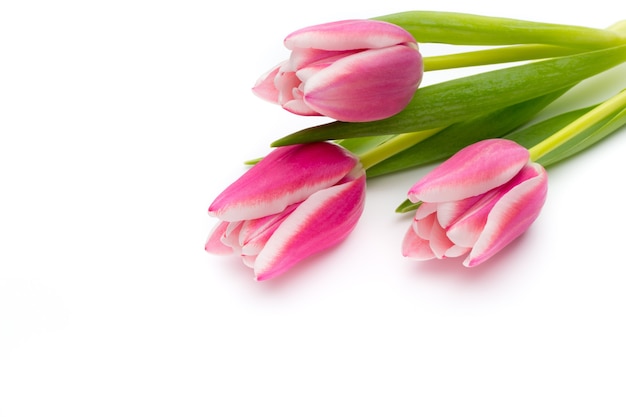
{"x": 425, "y": 209}
{"x": 255, "y": 233}
{"x": 214, "y": 243}
{"x": 450, "y": 211}
{"x": 415, "y": 247}
{"x": 299, "y": 107}
{"x": 265, "y": 87}
{"x": 512, "y": 215}
{"x": 248, "y": 260}
{"x": 286, "y": 176}
{"x": 456, "y": 251}
{"x": 348, "y": 34}
{"x": 286, "y": 83}
{"x": 473, "y": 170}
{"x": 369, "y": 85}
{"x": 424, "y": 227}
{"x": 439, "y": 242}
{"x": 305, "y": 57}
{"x": 231, "y": 236}
{"x": 321, "y": 221}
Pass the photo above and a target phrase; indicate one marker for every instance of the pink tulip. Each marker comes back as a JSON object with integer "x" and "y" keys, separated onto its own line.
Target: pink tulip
{"x": 351, "y": 70}
{"x": 297, "y": 201}
{"x": 475, "y": 203}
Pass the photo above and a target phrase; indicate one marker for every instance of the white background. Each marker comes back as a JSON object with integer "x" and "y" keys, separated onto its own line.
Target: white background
{"x": 120, "y": 121}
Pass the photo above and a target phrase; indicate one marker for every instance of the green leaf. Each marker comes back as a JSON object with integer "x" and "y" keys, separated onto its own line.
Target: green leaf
{"x": 407, "y": 206}
{"x": 449, "y": 102}
{"x": 469, "y": 29}
{"x": 534, "y": 134}
{"x": 587, "y": 139}
{"x": 362, "y": 145}
{"x": 447, "y": 142}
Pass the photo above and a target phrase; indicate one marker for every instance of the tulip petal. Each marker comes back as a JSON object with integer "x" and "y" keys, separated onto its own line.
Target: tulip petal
{"x": 425, "y": 209}
{"x": 286, "y": 83}
{"x": 286, "y": 176}
{"x": 230, "y": 237}
{"x": 456, "y": 251}
{"x": 255, "y": 233}
{"x": 265, "y": 87}
{"x": 214, "y": 243}
{"x": 321, "y": 221}
{"x": 467, "y": 228}
{"x": 473, "y": 170}
{"x": 299, "y": 107}
{"x": 439, "y": 241}
{"x": 348, "y": 34}
{"x": 368, "y": 85}
{"x": 449, "y": 212}
{"x": 424, "y": 227}
{"x": 415, "y": 247}
{"x": 305, "y": 57}
{"x": 512, "y": 215}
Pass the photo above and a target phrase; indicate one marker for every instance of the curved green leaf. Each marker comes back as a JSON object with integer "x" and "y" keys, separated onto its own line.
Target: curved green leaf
{"x": 469, "y": 29}
{"x": 450, "y": 140}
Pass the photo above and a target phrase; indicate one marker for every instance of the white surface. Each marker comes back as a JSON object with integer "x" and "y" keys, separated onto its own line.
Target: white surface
{"x": 120, "y": 122}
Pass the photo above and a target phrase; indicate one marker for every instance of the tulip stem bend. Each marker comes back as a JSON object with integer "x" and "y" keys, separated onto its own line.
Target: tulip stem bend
{"x": 587, "y": 120}
{"x": 394, "y": 145}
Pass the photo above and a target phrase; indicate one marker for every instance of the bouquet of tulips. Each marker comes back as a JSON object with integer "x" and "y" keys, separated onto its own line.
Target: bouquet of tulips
{"x": 307, "y": 194}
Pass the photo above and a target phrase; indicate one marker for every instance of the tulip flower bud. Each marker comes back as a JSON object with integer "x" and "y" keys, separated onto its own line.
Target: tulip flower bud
{"x": 297, "y": 201}
{"x": 351, "y": 70}
{"x": 475, "y": 203}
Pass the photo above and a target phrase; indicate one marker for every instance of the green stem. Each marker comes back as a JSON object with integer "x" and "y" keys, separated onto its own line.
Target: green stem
{"x": 587, "y": 120}
{"x": 496, "y": 56}
{"x": 393, "y": 146}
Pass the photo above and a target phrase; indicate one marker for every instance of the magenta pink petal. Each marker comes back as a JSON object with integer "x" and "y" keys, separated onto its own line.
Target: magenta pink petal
{"x": 286, "y": 176}
{"x": 472, "y": 171}
{"x": 467, "y": 228}
{"x": 512, "y": 215}
{"x": 321, "y": 221}
{"x": 368, "y": 85}
{"x": 348, "y": 34}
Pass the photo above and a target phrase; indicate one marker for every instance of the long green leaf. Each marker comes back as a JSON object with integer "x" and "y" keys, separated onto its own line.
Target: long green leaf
{"x": 445, "y": 103}
{"x": 534, "y": 134}
{"x": 450, "y": 140}
{"x": 469, "y": 29}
